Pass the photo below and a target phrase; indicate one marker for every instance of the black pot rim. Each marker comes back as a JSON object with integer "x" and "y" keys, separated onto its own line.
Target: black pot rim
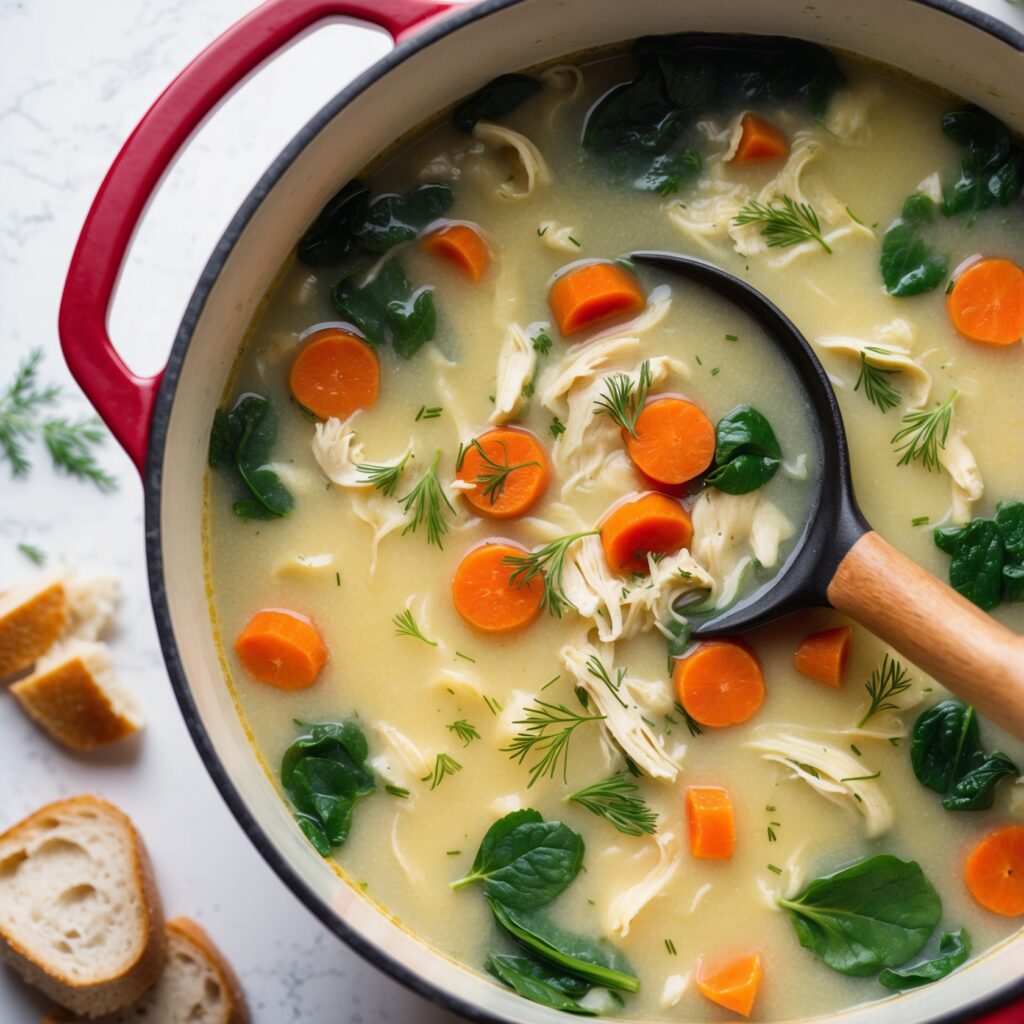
{"x": 152, "y": 482}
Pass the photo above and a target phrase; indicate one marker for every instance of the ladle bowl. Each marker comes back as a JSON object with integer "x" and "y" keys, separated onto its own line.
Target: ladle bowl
{"x": 839, "y": 561}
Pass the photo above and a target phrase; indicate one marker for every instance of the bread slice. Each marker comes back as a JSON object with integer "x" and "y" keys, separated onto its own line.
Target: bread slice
{"x": 80, "y": 916}
{"x": 32, "y": 617}
{"x": 197, "y": 986}
{"x": 92, "y": 601}
{"x": 75, "y": 696}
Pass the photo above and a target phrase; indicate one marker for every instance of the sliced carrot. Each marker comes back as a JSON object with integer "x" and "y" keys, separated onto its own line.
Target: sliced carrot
{"x": 335, "y": 374}
{"x": 824, "y": 656}
{"x": 710, "y": 821}
{"x": 720, "y": 683}
{"x": 987, "y": 302}
{"x": 733, "y": 986}
{"x": 995, "y": 871}
{"x": 654, "y": 523}
{"x": 759, "y": 140}
{"x": 592, "y": 293}
{"x": 463, "y": 246}
{"x": 511, "y": 474}
{"x": 485, "y": 596}
{"x": 674, "y": 442}
{"x": 281, "y": 648}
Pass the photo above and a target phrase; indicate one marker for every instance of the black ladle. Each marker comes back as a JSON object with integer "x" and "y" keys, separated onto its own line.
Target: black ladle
{"x": 839, "y": 561}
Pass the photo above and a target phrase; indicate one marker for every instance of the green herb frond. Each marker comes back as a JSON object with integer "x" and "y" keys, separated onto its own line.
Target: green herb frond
{"x": 549, "y": 563}
{"x": 784, "y": 225}
{"x": 35, "y": 555}
{"x": 549, "y": 728}
{"x": 425, "y": 505}
{"x": 596, "y": 668}
{"x": 494, "y": 475}
{"x": 542, "y": 343}
{"x": 887, "y": 681}
{"x": 615, "y": 799}
{"x": 384, "y": 477}
{"x": 444, "y": 765}
{"x": 405, "y": 625}
{"x": 877, "y": 388}
{"x": 622, "y": 400}
{"x": 464, "y": 730}
{"x": 691, "y": 723}
{"x": 923, "y": 433}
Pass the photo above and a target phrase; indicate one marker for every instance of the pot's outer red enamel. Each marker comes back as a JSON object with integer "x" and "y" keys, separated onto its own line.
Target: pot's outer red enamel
{"x": 163, "y": 421}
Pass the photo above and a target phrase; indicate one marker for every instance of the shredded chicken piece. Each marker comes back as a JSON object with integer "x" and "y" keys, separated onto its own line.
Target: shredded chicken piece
{"x": 629, "y": 902}
{"x": 558, "y": 237}
{"x": 965, "y": 477}
{"x": 405, "y": 761}
{"x": 931, "y": 187}
{"x": 409, "y": 868}
{"x": 339, "y": 453}
{"x": 847, "y": 117}
{"x": 528, "y": 159}
{"x": 674, "y": 989}
{"x": 836, "y": 775}
{"x": 517, "y": 360}
{"x": 299, "y": 566}
{"x": 502, "y": 805}
{"x": 787, "y": 884}
{"x": 512, "y": 713}
{"x": 443, "y": 371}
{"x": 461, "y": 681}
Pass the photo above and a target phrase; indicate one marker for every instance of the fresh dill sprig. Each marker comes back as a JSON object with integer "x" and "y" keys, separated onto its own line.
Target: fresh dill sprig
{"x": 426, "y": 503}
{"x": 877, "y": 388}
{"x": 784, "y": 225}
{"x": 464, "y": 730}
{"x": 444, "y": 765}
{"x": 615, "y": 799}
{"x": 691, "y": 723}
{"x": 384, "y": 478}
{"x": 542, "y": 343}
{"x": 24, "y": 415}
{"x": 494, "y": 475}
{"x": 549, "y": 728}
{"x": 557, "y": 426}
{"x": 596, "y": 668}
{"x": 622, "y": 401}
{"x": 923, "y": 433}
{"x": 886, "y": 682}
{"x": 398, "y": 791}
{"x": 549, "y": 563}
{"x": 35, "y": 555}
{"x": 405, "y": 625}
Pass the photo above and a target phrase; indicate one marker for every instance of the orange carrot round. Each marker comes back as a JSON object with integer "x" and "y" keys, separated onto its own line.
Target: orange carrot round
{"x": 335, "y": 374}
{"x": 463, "y": 246}
{"x": 281, "y": 648}
{"x": 510, "y": 470}
{"x": 759, "y": 140}
{"x": 486, "y": 598}
{"x": 710, "y": 821}
{"x": 592, "y": 293}
{"x": 987, "y": 302}
{"x": 654, "y": 523}
{"x": 674, "y": 442}
{"x": 719, "y": 683}
{"x": 733, "y": 986}
{"x": 994, "y": 871}
{"x": 824, "y": 656}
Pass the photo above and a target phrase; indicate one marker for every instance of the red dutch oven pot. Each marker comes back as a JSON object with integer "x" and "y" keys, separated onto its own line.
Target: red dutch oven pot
{"x": 163, "y": 422}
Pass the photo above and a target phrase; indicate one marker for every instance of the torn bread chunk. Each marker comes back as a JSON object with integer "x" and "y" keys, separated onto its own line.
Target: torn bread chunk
{"x": 32, "y": 617}
{"x": 75, "y": 696}
{"x": 80, "y": 916}
{"x": 197, "y": 986}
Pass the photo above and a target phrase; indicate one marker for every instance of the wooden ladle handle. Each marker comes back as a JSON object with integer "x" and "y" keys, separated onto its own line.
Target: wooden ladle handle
{"x": 928, "y": 622}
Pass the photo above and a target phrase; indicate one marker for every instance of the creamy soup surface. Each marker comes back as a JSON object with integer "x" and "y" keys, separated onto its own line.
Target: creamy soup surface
{"x": 879, "y": 140}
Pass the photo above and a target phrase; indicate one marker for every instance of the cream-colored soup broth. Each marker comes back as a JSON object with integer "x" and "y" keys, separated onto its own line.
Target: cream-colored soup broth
{"x": 344, "y": 557}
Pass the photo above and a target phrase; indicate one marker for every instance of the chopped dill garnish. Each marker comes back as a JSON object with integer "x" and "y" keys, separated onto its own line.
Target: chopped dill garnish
{"x": 465, "y": 657}
{"x": 425, "y": 503}
{"x": 784, "y": 225}
{"x": 452, "y": 853}
{"x": 671, "y": 947}
{"x": 691, "y": 723}
{"x": 950, "y": 284}
{"x": 615, "y": 799}
{"x": 886, "y": 681}
{"x": 596, "y": 668}
{"x": 772, "y": 826}
{"x": 715, "y": 371}
{"x": 924, "y": 431}
{"x": 548, "y": 562}
{"x": 493, "y": 705}
{"x": 542, "y": 231}
{"x": 466, "y": 732}
{"x": 550, "y": 682}
{"x": 443, "y": 766}
{"x": 337, "y": 579}
{"x": 542, "y": 343}
{"x": 920, "y": 520}
{"x": 35, "y": 555}
{"x": 855, "y": 749}
{"x": 405, "y": 625}
{"x": 396, "y": 791}
{"x": 384, "y": 477}
{"x": 732, "y": 337}
{"x": 574, "y": 242}
{"x": 557, "y": 426}
{"x": 429, "y": 412}
{"x": 774, "y": 869}
{"x": 623, "y": 401}
{"x": 549, "y": 728}
{"x": 494, "y": 475}
{"x": 877, "y": 389}
{"x": 861, "y": 778}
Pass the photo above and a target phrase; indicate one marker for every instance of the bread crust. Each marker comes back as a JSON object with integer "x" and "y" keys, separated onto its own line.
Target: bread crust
{"x": 29, "y": 628}
{"x": 103, "y": 994}
{"x": 238, "y": 1008}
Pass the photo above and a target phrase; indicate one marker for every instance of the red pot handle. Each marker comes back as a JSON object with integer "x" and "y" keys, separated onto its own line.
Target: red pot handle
{"x": 124, "y": 400}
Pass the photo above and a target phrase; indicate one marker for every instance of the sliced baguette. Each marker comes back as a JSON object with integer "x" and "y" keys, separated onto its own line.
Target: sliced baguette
{"x": 32, "y": 617}
{"x": 197, "y": 986}
{"x": 75, "y": 696}
{"x": 80, "y": 916}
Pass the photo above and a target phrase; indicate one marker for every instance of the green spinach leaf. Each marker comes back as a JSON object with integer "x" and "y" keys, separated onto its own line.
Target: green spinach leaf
{"x": 331, "y": 239}
{"x": 990, "y": 167}
{"x": 413, "y": 322}
{"x": 524, "y": 861}
{"x": 324, "y": 773}
{"x": 976, "y": 565}
{"x": 597, "y": 961}
{"x": 954, "y": 949}
{"x": 909, "y": 264}
{"x": 876, "y": 913}
{"x": 393, "y": 219}
{"x": 747, "y": 452}
{"x": 497, "y": 99}
{"x": 536, "y": 981}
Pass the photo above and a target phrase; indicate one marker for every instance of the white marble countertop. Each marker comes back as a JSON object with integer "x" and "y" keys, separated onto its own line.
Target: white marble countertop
{"x": 74, "y": 79}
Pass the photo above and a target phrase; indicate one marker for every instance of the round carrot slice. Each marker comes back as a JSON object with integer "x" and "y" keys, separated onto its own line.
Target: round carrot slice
{"x": 674, "y": 442}
{"x": 335, "y": 374}
{"x": 994, "y": 871}
{"x": 824, "y": 656}
{"x": 987, "y": 302}
{"x": 463, "y": 246}
{"x": 281, "y": 648}
{"x": 654, "y": 523}
{"x": 710, "y": 821}
{"x": 759, "y": 140}
{"x": 510, "y": 470}
{"x": 720, "y": 683}
{"x": 734, "y": 986}
{"x": 592, "y": 293}
{"x": 485, "y": 596}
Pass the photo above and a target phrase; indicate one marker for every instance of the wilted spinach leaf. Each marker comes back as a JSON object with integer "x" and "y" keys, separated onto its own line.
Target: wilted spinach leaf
{"x": 324, "y": 773}
{"x": 497, "y": 99}
{"x": 977, "y": 559}
{"x": 876, "y": 913}
{"x": 331, "y": 239}
{"x": 954, "y": 949}
{"x": 667, "y": 174}
{"x": 747, "y": 452}
{"x": 412, "y": 322}
{"x": 535, "y": 980}
{"x": 393, "y": 219}
{"x": 909, "y": 264}
{"x": 991, "y": 165}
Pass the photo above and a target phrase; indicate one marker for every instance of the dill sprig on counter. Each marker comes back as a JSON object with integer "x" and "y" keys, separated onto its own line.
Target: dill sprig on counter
{"x": 887, "y": 681}
{"x": 425, "y": 504}
{"x": 623, "y": 401}
{"x": 549, "y": 562}
{"x": 878, "y": 390}
{"x": 25, "y": 414}
{"x": 615, "y": 799}
{"x": 923, "y": 433}
{"x": 405, "y": 625}
{"x": 784, "y": 225}
{"x": 549, "y": 728}
{"x": 384, "y": 477}
{"x": 37, "y": 556}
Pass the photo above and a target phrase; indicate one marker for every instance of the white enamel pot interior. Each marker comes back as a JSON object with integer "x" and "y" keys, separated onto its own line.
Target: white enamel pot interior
{"x": 940, "y": 42}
